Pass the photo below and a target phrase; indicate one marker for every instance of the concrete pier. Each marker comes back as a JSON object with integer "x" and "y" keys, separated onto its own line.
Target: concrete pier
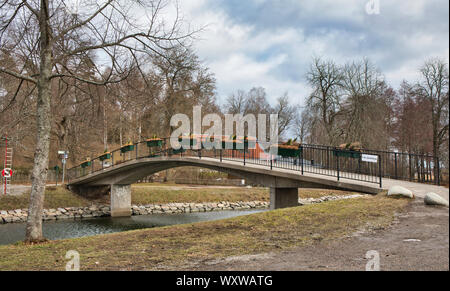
{"x": 283, "y": 198}
{"x": 120, "y": 200}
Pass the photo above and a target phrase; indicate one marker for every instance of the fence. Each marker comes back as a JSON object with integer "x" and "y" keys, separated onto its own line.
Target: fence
{"x": 320, "y": 160}
{"x": 22, "y": 178}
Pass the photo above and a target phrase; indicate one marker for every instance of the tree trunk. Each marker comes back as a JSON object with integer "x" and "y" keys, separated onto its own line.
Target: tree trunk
{"x": 40, "y": 167}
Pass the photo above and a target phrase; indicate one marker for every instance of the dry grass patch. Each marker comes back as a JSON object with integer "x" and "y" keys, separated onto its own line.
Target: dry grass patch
{"x": 54, "y": 197}
{"x": 144, "y": 194}
{"x": 175, "y": 246}
{"x": 165, "y": 194}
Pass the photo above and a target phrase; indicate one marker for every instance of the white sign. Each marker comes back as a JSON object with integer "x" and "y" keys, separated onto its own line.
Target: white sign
{"x": 370, "y": 159}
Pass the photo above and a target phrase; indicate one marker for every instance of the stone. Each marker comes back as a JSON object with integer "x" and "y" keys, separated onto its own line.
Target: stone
{"x": 93, "y": 208}
{"x": 400, "y": 191}
{"x": 434, "y": 199}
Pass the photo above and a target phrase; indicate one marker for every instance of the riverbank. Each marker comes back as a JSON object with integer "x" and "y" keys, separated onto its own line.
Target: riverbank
{"x": 142, "y": 194}
{"x": 171, "y": 247}
{"x": 20, "y": 215}
{"x": 62, "y": 213}
{"x": 150, "y": 198}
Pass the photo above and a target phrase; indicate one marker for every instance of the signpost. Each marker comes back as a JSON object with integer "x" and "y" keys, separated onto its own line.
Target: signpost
{"x": 64, "y": 156}
{"x": 7, "y": 172}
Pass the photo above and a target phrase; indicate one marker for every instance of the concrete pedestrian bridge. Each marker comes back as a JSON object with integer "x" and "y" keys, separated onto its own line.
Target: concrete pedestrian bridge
{"x": 284, "y": 183}
{"x": 315, "y": 167}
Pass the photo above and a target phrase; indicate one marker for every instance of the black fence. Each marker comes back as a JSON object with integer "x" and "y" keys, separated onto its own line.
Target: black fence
{"x": 410, "y": 167}
{"x": 366, "y": 166}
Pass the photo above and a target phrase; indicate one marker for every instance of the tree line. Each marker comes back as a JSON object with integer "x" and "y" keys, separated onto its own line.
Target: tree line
{"x": 353, "y": 102}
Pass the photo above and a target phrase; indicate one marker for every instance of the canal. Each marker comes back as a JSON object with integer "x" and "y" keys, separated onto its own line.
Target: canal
{"x": 62, "y": 229}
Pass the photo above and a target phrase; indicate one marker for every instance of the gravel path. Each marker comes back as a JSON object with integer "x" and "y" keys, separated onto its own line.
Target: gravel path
{"x": 418, "y": 240}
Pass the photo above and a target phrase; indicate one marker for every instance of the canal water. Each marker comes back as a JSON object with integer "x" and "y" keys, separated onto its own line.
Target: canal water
{"x": 61, "y": 229}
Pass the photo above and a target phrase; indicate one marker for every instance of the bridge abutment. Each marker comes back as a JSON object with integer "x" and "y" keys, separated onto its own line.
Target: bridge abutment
{"x": 120, "y": 200}
{"x": 283, "y": 198}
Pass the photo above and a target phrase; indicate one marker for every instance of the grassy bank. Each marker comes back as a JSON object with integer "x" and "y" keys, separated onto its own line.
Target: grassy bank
{"x": 54, "y": 197}
{"x": 173, "y": 247}
{"x": 158, "y": 194}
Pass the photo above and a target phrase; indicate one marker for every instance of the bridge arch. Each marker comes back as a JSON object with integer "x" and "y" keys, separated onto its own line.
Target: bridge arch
{"x": 284, "y": 184}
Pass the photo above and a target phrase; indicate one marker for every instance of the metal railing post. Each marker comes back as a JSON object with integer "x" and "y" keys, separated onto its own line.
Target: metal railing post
{"x": 301, "y": 160}
{"x": 379, "y": 169}
{"x": 396, "y": 167}
{"x": 410, "y": 167}
{"x": 438, "y": 172}
{"x": 337, "y": 167}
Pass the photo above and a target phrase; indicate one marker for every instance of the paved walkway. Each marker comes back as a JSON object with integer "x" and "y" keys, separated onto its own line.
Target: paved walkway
{"x": 419, "y": 189}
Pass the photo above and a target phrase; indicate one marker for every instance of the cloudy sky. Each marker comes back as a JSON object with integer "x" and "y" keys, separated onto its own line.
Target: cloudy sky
{"x": 270, "y": 43}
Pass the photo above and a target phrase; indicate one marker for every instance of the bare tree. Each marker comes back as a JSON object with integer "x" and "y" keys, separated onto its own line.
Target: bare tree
{"x": 47, "y": 41}
{"x": 185, "y": 83}
{"x": 434, "y": 87}
{"x": 325, "y": 77}
{"x": 302, "y": 124}
{"x": 286, "y": 114}
{"x": 363, "y": 85}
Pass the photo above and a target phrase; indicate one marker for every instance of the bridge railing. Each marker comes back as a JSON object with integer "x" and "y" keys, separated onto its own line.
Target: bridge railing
{"x": 313, "y": 159}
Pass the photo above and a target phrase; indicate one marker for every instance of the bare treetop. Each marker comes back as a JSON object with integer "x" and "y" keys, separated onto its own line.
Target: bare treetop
{"x": 113, "y": 34}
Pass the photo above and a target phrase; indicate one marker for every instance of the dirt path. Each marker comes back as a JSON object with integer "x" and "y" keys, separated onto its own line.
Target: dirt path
{"x": 418, "y": 240}
{"x": 16, "y": 190}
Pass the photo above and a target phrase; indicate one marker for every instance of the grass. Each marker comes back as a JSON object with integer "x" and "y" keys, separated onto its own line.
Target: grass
{"x": 161, "y": 195}
{"x": 177, "y": 246}
{"x": 54, "y": 197}
{"x": 144, "y": 194}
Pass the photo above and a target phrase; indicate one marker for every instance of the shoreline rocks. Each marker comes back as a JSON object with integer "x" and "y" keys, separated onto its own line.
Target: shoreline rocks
{"x": 95, "y": 211}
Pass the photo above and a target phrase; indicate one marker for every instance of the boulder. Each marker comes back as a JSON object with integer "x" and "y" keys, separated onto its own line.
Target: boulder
{"x": 435, "y": 199}
{"x": 400, "y": 192}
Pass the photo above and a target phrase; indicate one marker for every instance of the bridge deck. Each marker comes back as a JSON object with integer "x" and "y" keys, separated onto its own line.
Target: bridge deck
{"x": 329, "y": 180}
{"x": 419, "y": 189}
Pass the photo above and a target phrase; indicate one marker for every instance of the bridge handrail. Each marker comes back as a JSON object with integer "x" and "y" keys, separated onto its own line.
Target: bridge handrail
{"x": 318, "y": 159}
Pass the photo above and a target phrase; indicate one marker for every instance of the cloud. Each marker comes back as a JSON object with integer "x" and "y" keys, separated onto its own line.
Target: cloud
{"x": 270, "y": 43}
